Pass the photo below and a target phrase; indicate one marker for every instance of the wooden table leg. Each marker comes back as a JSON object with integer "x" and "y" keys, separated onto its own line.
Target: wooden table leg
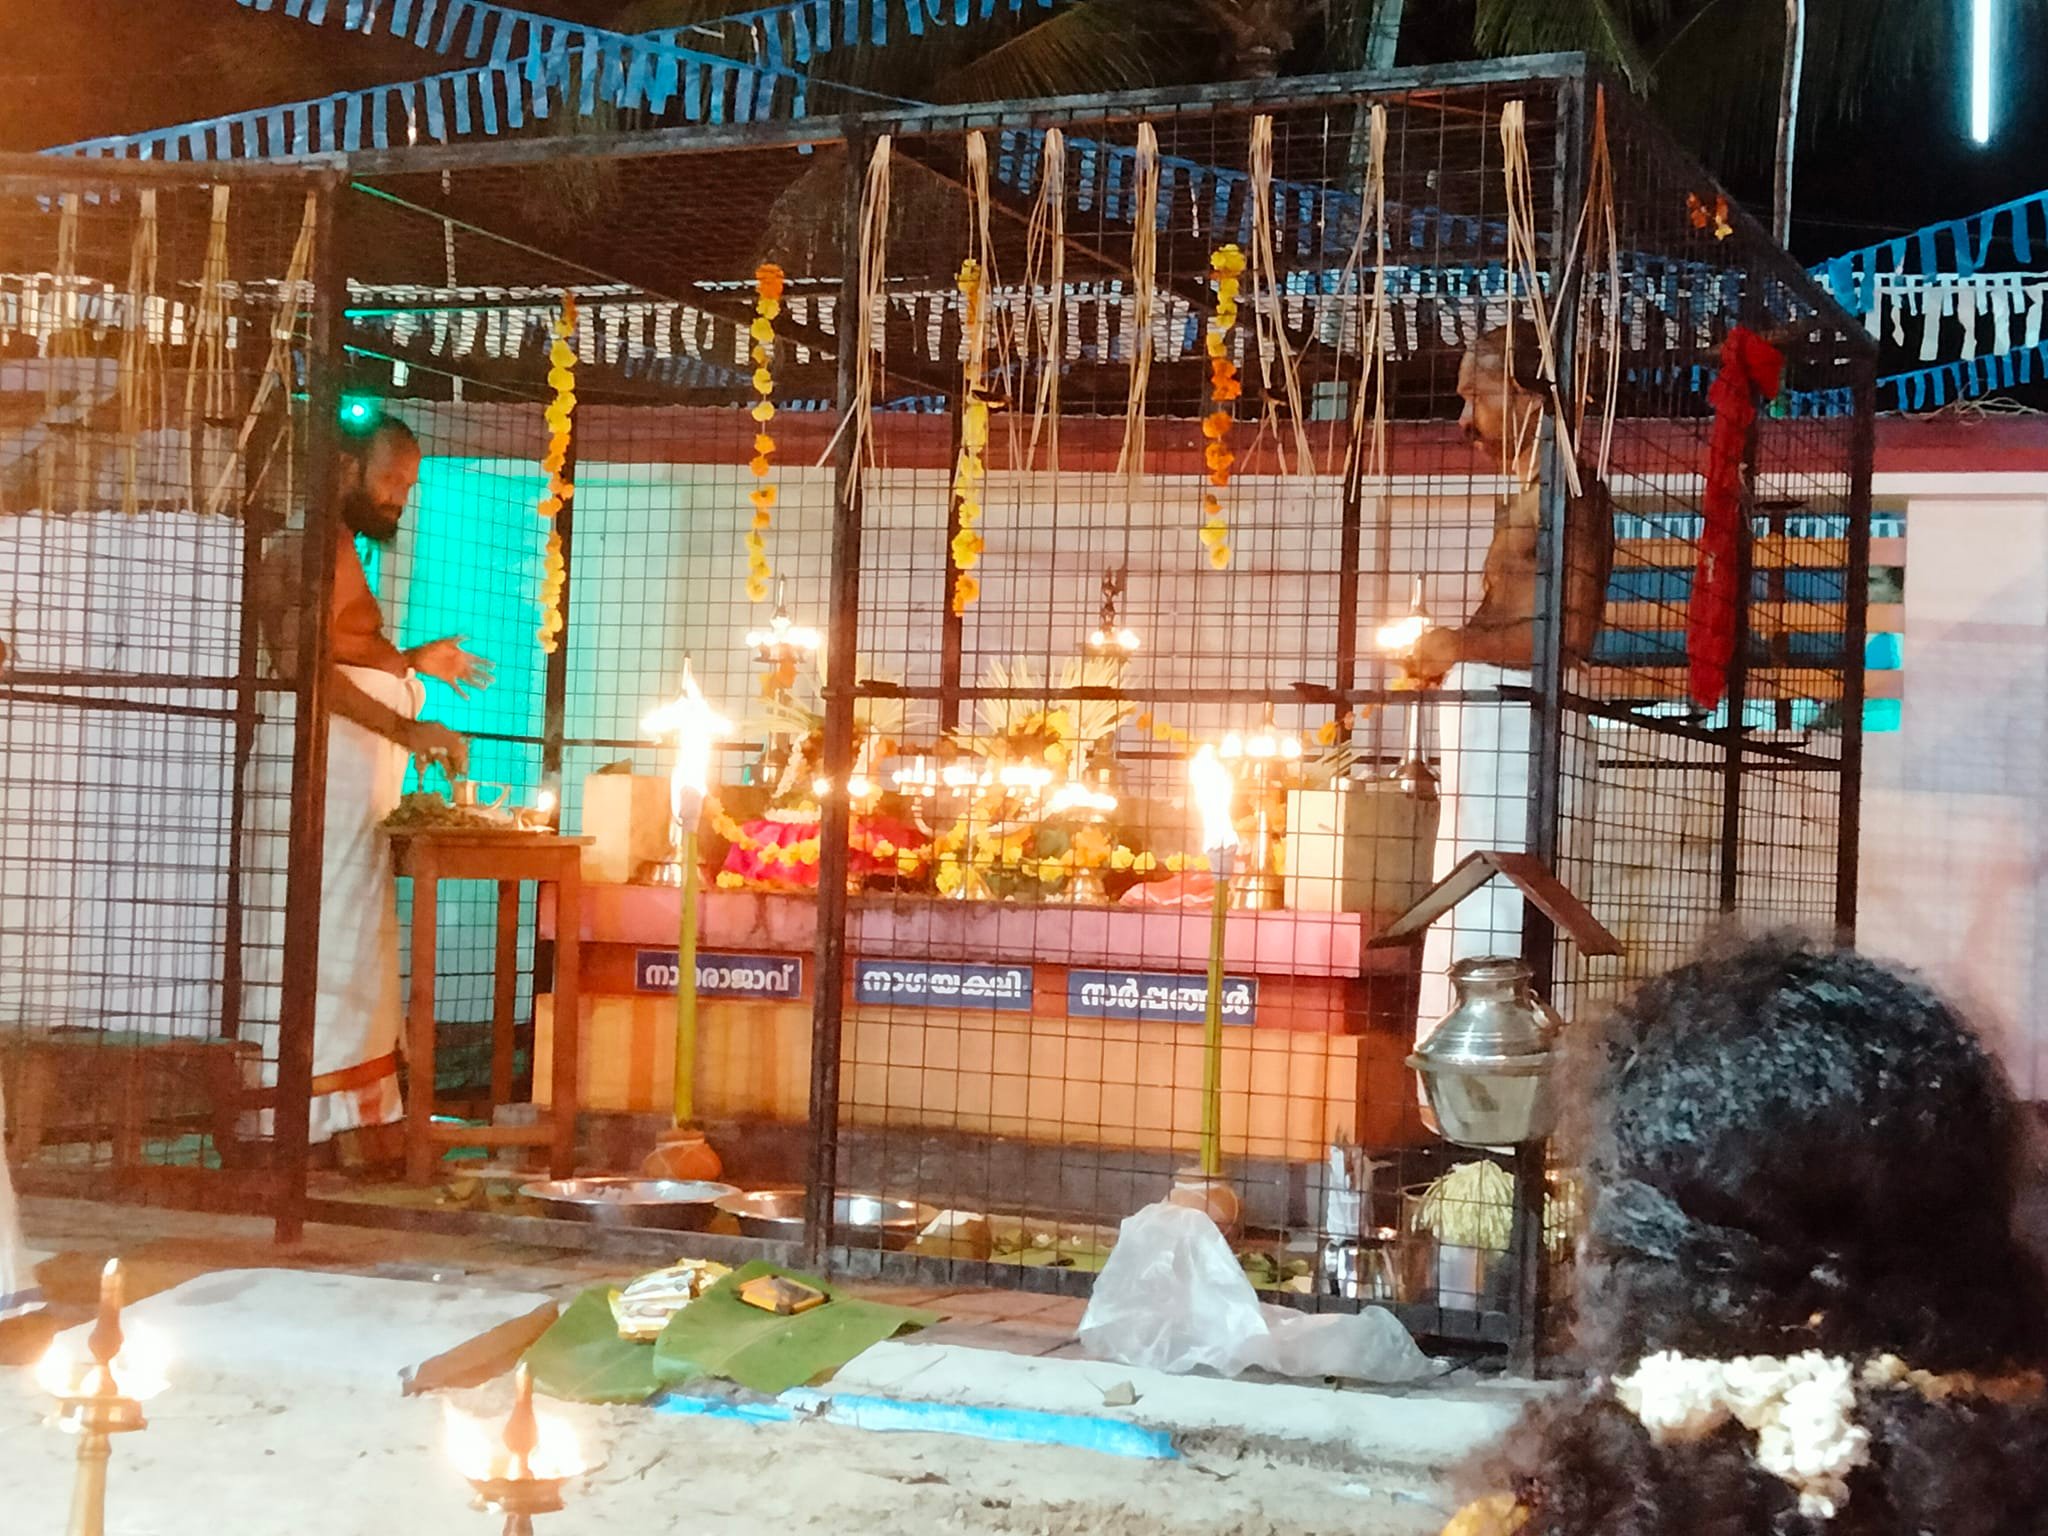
{"x": 568, "y": 1012}
{"x": 419, "y": 1100}
{"x": 505, "y": 998}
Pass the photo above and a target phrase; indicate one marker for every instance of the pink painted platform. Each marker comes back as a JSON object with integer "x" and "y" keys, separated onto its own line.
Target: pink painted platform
{"x": 1304, "y": 944}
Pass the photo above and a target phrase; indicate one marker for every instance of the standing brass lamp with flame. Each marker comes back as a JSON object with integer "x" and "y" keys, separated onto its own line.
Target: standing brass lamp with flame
{"x": 1400, "y": 640}
{"x": 682, "y": 1152}
{"x": 100, "y": 1391}
{"x": 1204, "y": 1187}
{"x": 522, "y": 1475}
{"x": 1264, "y": 765}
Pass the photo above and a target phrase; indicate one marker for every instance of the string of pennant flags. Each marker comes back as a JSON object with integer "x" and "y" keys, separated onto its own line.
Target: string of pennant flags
{"x": 557, "y": 73}
{"x": 793, "y": 31}
{"x": 1962, "y": 284}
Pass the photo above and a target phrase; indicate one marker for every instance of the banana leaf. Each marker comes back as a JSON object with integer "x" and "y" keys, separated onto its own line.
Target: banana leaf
{"x": 720, "y": 1335}
{"x": 582, "y": 1359}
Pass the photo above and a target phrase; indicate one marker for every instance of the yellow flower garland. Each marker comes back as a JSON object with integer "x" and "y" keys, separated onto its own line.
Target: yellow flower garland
{"x": 970, "y": 471}
{"x": 1226, "y": 264}
{"x": 768, "y": 287}
{"x": 561, "y": 419}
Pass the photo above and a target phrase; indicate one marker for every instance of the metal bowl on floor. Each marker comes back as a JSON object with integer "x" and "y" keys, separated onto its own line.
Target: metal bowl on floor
{"x": 858, "y": 1221}
{"x": 672, "y": 1204}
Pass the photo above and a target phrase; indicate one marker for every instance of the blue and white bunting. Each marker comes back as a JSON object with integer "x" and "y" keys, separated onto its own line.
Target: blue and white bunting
{"x": 529, "y": 76}
{"x": 1949, "y": 247}
{"x": 776, "y": 37}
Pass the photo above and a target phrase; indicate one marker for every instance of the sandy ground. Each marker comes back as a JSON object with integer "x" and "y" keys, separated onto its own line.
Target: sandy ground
{"x": 333, "y": 1462}
{"x": 330, "y": 1459}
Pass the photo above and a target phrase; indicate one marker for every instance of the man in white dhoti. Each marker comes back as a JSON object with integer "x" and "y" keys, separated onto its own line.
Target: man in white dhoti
{"x": 1484, "y": 746}
{"x": 376, "y": 695}
{"x": 19, "y": 1292}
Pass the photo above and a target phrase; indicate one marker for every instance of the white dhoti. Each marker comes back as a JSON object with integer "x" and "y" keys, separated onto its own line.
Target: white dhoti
{"x": 357, "y": 1011}
{"x": 1484, "y": 796}
{"x": 19, "y": 1293}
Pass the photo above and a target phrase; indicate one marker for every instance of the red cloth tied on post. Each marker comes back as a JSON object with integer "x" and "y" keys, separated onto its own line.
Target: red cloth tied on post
{"x": 1751, "y": 371}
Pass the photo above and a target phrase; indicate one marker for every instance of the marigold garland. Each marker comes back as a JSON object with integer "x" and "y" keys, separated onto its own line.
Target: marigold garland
{"x": 768, "y": 286}
{"x": 1226, "y": 264}
{"x": 969, "y": 471}
{"x": 561, "y": 419}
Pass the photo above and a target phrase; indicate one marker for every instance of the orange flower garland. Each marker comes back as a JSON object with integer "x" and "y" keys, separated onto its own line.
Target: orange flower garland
{"x": 969, "y": 471}
{"x": 1226, "y": 264}
{"x": 768, "y": 283}
{"x": 561, "y": 418}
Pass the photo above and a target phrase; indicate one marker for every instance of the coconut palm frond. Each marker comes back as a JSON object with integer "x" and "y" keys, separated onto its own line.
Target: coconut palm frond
{"x": 1608, "y": 29}
{"x": 1096, "y": 719}
{"x": 1103, "y": 45}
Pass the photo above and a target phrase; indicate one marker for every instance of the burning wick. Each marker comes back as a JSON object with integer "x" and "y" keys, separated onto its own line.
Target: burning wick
{"x": 1402, "y": 636}
{"x": 1214, "y": 789}
{"x": 697, "y": 728}
{"x": 519, "y": 1470}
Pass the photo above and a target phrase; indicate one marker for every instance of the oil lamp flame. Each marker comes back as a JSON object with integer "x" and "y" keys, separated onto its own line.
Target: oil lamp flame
{"x": 1214, "y": 789}
{"x": 141, "y": 1370}
{"x": 545, "y": 802}
{"x": 480, "y": 1454}
{"x": 1401, "y": 637}
{"x": 697, "y": 728}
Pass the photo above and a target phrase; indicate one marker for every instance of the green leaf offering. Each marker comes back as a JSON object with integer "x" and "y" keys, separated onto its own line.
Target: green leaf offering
{"x": 582, "y": 1359}
{"x": 720, "y": 1335}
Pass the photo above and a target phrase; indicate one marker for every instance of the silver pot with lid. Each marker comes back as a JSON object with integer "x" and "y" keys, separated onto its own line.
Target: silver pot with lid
{"x": 1488, "y": 1065}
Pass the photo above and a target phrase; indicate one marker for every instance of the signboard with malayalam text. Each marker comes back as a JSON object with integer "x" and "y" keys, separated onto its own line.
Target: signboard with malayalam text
{"x": 760, "y": 978}
{"x": 1158, "y": 996}
{"x": 943, "y": 984}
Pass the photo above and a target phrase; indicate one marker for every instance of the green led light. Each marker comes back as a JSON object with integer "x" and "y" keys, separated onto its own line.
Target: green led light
{"x": 358, "y": 411}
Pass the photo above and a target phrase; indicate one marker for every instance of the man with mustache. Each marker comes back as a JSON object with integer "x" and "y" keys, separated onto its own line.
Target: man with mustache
{"x": 1485, "y": 746}
{"x": 375, "y": 694}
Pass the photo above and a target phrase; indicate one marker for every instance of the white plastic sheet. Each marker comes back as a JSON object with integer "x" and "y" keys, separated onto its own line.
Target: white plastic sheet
{"x": 1173, "y": 1298}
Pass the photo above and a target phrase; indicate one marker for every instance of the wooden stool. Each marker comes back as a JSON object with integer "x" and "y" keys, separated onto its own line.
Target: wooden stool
{"x": 427, "y": 858}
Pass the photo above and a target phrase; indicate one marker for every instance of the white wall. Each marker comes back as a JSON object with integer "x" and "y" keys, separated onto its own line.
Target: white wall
{"x": 1954, "y": 849}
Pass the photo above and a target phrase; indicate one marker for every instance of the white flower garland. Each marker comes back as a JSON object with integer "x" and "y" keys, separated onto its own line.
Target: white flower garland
{"x": 1801, "y": 1410}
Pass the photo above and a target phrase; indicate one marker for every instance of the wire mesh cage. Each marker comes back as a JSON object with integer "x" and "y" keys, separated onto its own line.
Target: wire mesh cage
{"x": 152, "y": 359}
{"x": 1141, "y": 550}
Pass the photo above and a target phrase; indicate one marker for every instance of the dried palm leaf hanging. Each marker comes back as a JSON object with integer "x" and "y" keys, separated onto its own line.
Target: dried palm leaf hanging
{"x": 1372, "y": 376}
{"x": 277, "y": 367}
{"x": 1130, "y": 461}
{"x": 139, "y": 383}
{"x": 62, "y": 342}
{"x": 1600, "y": 313}
{"x": 1045, "y": 267}
{"x": 1523, "y": 265}
{"x": 1269, "y": 316}
{"x": 206, "y": 375}
{"x": 870, "y": 326}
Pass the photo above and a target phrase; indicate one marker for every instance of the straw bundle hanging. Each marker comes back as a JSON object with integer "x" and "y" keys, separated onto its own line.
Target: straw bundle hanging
{"x": 870, "y": 326}
{"x": 1130, "y": 460}
{"x": 139, "y": 380}
{"x": 1045, "y": 265}
{"x": 1522, "y": 260}
{"x": 206, "y": 379}
{"x": 61, "y": 343}
{"x": 1269, "y": 316}
{"x": 277, "y": 367}
{"x": 1603, "y": 248}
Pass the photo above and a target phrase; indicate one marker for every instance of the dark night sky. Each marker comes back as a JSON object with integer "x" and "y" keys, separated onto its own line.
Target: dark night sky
{"x": 85, "y": 67}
